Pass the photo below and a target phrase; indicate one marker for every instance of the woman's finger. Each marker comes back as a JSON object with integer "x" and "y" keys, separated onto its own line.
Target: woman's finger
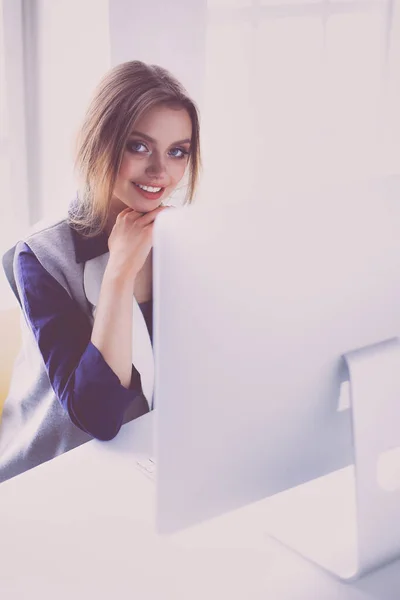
{"x": 149, "y": 217}
{"x": 129, "y": 214}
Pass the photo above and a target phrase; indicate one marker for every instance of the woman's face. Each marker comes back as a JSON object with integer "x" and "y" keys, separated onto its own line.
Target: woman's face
{"x": 154, "y": 160}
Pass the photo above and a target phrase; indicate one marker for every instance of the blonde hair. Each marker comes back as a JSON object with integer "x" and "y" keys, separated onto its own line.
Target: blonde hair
{"x": 125, "y": 93}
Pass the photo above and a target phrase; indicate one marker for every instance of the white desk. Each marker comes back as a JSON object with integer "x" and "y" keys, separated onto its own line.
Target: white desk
{"x": 81, "y": 526}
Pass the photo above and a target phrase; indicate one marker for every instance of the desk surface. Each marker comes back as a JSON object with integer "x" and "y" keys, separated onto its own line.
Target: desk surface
{"x": 81, "y": 526}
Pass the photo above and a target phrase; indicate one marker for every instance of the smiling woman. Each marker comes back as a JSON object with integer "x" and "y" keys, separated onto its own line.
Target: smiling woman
{"x": 140, "y": 115}
{"x": 85, "y": 284}
{"x": 154, "y": 162}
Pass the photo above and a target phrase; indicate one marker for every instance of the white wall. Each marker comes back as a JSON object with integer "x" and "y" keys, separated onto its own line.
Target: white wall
{"x": 169, "y": 33}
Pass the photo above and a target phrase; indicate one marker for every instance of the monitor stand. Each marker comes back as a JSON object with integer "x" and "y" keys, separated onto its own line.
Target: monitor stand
{"x": 348, "y": 522}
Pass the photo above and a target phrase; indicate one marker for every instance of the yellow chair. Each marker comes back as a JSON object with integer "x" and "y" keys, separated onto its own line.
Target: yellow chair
{"x": 10, "y": 344}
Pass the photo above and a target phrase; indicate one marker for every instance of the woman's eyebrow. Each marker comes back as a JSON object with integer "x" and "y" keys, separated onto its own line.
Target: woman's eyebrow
{"x": 150, "y": 139}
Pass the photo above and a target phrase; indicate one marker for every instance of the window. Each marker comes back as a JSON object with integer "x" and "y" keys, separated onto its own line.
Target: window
{"x": 45, "y": 85}
{"x": 5, "y": 174}
{"x": 14, "y": 210}
{"x": 14, "y": 217}
{"x": 299, "y": 91}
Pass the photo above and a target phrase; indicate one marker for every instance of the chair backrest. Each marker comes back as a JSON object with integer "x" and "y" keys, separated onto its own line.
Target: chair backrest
{"x": 10, "y": 337}
{"x": 7, "y": 261}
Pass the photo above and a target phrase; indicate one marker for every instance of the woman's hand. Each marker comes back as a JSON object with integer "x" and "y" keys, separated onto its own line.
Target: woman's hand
{"x": 130, "y": 241}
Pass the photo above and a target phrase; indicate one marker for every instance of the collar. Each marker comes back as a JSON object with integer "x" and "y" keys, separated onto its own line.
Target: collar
{"x": 87, "y": 248}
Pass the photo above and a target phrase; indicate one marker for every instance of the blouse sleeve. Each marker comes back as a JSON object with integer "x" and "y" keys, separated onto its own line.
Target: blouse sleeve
{"x": 86, "y": 386}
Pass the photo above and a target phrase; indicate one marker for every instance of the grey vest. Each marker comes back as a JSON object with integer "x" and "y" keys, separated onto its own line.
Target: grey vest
{"x": 34, "y": 427}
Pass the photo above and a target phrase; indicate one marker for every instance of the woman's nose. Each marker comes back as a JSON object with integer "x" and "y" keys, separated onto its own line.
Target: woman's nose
{"x": 156, "y": 166}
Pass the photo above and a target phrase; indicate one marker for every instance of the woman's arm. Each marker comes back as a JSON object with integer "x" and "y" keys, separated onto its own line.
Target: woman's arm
{"x": 113, "y": 323}
{"x": 86, "y": 386}
{"x": 129, "y": 243}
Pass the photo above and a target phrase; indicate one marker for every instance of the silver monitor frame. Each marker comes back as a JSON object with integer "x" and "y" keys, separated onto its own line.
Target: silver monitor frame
{"x": 219, "y": 443}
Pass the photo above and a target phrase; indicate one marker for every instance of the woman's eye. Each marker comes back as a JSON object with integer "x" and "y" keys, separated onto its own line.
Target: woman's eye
{"x": 137, "y": 147}
{"x": 178, "y": 152}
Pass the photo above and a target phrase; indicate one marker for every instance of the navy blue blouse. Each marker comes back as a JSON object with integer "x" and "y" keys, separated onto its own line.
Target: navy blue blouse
{"x": 86, "y": 386}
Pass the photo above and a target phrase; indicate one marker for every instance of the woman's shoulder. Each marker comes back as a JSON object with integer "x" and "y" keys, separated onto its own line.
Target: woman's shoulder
{"x": 48, "y": 229}
{"x": 51, "y": 242}
{"x": 44, "y": 241}
{"x": 54, "y": 248}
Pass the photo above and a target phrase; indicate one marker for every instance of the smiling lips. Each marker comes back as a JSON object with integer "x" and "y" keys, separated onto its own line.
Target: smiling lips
{"x": 148, "y": 191}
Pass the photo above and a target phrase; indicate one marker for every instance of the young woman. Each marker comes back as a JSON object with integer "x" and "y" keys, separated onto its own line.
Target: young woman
{"x": 85, "y": 284}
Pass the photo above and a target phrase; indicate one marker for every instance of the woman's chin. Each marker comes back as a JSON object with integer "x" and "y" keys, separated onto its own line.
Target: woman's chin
{"x": 144, "y": 205}
{"x": 139, "y": 204}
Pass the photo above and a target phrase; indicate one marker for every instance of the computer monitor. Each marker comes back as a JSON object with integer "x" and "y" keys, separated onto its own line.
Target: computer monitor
{"x": 256, "y": 307}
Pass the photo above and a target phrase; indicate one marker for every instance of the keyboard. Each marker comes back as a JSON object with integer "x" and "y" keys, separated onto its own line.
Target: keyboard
{"x": 147, "y": 466}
